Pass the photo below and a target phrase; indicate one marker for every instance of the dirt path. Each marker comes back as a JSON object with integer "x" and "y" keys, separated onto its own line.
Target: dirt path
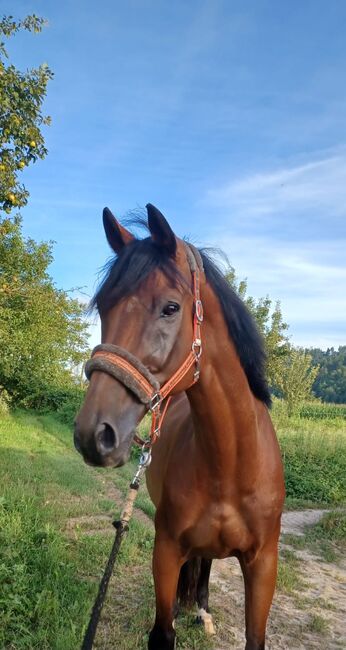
{"x": 90, "y": 524}
{"x": 313, "y": 617}
{"x": 295, "y": 521}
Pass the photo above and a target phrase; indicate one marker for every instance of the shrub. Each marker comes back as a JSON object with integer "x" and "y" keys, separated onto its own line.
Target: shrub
{"x": 69, "y": 408}
{"x": 5, "y": 401}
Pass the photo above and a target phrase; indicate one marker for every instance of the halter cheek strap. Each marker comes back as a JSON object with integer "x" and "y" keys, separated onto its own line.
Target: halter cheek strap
{"x": 131, "y": 372}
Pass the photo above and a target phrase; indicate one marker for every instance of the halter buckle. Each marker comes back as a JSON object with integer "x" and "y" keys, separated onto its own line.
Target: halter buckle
{"x": 197, "y": 348}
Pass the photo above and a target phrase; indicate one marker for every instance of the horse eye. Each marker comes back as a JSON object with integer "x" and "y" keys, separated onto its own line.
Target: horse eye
{"x": 170, "y": 309}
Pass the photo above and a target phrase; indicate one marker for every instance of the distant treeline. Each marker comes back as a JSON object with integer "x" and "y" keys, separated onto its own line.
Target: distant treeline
{"x": 330, "y": 383}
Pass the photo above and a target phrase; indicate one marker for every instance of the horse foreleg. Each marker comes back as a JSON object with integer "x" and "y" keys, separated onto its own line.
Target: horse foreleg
{"x": 167, "y": 562}
{"x": 259, "y": 578}
{"x": 204, "y": 616}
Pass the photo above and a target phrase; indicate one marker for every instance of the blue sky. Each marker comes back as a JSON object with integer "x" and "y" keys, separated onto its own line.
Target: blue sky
{"x": 230, "y": 116}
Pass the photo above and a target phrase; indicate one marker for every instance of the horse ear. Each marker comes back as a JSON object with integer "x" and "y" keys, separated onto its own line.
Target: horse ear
{"x": 117, "y": 235}
{"x": 160, "y": 230}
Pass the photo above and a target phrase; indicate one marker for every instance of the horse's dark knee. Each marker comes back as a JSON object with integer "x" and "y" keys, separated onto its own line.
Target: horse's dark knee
{"x": 160, "y": 639}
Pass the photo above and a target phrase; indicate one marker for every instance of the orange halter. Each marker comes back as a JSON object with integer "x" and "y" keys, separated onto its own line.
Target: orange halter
{"x": 129, "y": 370}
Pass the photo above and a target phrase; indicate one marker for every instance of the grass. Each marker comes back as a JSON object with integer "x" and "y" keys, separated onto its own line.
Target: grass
{"x": 46, "y": 588}
{"x": 289, "y": 580}
{"x": 318, "y": 624}
{"x": 314, "y": 455}
{"x": 327, "y": 538}
{"x": 49, "y": 576}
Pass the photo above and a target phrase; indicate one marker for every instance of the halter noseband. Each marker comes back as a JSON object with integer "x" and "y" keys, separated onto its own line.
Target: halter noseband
{"x": 132, "y": 373}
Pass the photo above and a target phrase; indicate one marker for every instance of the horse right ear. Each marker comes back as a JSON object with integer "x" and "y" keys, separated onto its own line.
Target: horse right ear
{"x": 160, "y": 230}
{"x": 117, "y": 235}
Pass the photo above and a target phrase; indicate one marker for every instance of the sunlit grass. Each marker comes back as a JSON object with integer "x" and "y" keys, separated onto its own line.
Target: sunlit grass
{"x": 50, "y": 572}
{"x": 314, "y": 455}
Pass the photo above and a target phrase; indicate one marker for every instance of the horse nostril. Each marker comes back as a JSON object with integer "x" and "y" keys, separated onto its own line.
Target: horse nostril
{"x": 105, "y": 438}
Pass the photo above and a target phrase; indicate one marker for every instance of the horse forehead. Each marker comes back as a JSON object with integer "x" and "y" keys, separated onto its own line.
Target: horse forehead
{"x": 132, "y": 304}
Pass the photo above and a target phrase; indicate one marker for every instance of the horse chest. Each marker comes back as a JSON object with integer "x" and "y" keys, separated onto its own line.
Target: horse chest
{"x": 218, "y": 532}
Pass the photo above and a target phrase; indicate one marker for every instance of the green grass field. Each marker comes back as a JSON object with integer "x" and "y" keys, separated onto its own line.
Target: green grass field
{"x": 314, "y": 456}
{"x": 52, "y": 553}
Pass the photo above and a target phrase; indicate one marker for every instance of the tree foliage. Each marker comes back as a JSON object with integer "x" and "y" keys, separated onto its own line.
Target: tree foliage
{"x": 271, "y": 325}
{"x": 21, "y": 118}
{"x": 42, "y": 329}
{"x": 330, "y": 383}
{"x": 297, "y": 378}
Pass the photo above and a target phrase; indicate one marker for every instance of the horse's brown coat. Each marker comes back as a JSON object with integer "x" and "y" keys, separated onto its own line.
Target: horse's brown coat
{"x": 216, "y": 476}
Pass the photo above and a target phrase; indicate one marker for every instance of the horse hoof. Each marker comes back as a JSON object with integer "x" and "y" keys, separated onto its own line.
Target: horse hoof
{"x": 206, "y": 619}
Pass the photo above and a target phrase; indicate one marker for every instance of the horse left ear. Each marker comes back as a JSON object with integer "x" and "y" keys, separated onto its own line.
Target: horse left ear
{"x": 117, "y": 235}
{"x": 160, "y": 230}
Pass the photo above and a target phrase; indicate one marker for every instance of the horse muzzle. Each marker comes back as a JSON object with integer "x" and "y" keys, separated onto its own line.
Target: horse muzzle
{"x": 101, "y": 445}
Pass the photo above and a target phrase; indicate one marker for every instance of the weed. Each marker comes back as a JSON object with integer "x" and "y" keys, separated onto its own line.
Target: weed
{"x": 289, "y": 579}
{"x": 328, "y": 537}
{"x": 317, "y": 624}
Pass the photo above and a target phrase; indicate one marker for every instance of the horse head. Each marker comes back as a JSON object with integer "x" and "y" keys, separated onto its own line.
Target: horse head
{"x": 146, "y": 306}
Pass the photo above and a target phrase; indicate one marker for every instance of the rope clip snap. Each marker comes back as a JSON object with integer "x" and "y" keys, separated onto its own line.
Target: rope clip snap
{"x": 145, "y": 458}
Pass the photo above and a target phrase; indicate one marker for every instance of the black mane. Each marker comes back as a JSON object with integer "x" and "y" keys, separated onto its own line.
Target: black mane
{"x": 142, "y": 256}
{"x": 242, "y": 329}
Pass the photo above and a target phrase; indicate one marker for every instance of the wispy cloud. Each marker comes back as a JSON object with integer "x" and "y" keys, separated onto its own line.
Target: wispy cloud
{"x": 319, "y": 185}
{"x": 308, "y": 278}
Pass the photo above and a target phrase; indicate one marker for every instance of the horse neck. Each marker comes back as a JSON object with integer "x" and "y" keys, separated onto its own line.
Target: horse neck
{"x": 224, "y": 410}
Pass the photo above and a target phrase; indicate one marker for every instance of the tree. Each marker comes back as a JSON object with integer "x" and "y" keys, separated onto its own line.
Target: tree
{"x": 42, "y": 329}
{"x": 271, "y": 325}
{"x": 295, "y": 382}
{"x": 21, "y": 118}
{"x": 330, "y": 383}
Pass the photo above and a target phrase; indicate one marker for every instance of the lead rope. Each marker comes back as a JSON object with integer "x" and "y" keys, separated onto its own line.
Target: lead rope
{"x": 121, "y": 526}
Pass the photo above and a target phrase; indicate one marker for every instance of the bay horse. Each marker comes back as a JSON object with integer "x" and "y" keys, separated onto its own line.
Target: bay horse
{"x": 216, "y": 474}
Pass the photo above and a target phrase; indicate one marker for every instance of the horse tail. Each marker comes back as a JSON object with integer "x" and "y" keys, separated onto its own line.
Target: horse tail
{"x": 187, "y": 584}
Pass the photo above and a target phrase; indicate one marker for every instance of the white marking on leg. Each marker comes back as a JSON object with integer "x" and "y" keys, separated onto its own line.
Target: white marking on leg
{"x": 207, "y": 620}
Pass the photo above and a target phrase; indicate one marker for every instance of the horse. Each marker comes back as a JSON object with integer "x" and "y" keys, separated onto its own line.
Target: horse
{"x": 170, "y": 318}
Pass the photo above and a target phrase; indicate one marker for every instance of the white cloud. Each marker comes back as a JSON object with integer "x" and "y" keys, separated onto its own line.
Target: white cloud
{"x": 320, "y": 184}
{"x": 289, "y": 241}
{"x": 305, "y": 277}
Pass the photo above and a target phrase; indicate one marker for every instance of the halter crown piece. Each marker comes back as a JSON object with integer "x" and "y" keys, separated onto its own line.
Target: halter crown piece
{"x": 132, "y": 373}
